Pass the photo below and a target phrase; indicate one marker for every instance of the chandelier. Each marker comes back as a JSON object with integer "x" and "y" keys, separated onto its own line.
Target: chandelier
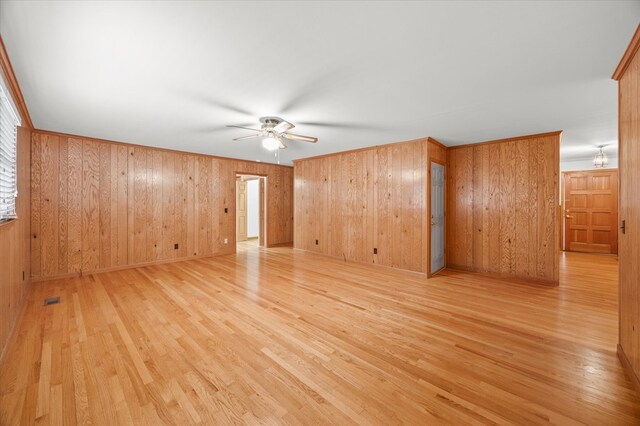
{"x": 601, "y": 160}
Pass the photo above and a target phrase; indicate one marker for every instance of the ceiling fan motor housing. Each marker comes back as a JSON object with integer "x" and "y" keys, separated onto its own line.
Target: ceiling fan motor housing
{"x": 270, "y": 122}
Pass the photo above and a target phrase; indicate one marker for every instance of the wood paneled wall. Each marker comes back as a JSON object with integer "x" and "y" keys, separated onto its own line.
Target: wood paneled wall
{"x": 14, "y": 248}
{"x": 14, "y": 235}
{"x": 349, "y": 203}
{"x": 502, "y": 215}
{"x": 628, "y": 76}
{"x": 98, "y": 205}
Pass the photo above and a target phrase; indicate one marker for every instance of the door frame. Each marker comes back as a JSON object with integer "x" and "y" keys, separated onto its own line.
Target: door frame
{"x": 563, "y": 207}
{"x": 444, "y": 225}
{"x": 262, "y": 210}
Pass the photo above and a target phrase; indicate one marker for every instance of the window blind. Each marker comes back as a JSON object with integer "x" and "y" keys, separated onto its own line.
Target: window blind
{"x": 8, "y": 171}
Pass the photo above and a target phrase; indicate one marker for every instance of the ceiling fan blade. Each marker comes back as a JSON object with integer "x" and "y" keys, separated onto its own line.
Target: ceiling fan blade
{"x": 230, "y": 107}
{"x": 283, "y": 126}
{"x": 257, "y": 135}
{"x": 243, "y": 127}
{"x": 300, "y": 138}
{"x": 346, "y": 126}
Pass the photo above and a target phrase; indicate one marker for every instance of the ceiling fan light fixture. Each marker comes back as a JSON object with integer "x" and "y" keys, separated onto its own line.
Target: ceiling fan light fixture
{"x": 273, "y": 133}
{"x": 270, "y": 143}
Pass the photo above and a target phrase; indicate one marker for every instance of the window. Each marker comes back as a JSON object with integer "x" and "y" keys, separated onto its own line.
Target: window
{"x": 8, "y": 171}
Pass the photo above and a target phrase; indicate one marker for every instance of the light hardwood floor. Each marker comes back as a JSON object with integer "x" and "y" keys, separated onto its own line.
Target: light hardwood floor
{"x": 270, "y": 336}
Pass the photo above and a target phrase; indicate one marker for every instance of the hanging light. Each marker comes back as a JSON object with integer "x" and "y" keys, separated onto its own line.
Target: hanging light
{"x": 601, "y": 161}
{"x": 270, "y": 143}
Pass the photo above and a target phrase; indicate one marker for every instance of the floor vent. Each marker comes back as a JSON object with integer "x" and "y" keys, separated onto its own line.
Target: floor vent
{"x": 51, "y": 301}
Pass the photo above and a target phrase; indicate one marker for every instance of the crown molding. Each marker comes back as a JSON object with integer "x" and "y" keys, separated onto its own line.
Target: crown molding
{"x": 629, "y": 54}
{"x": 516, "y": 138}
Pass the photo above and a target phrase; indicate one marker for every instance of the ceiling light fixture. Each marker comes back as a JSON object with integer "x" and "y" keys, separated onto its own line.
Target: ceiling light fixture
{"x": 270, "y": 143}
{"x": 601, "y": 161}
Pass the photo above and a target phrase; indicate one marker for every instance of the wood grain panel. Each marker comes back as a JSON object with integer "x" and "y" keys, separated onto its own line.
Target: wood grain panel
{"x": 74, "y": 203}
{"x": 156, "y": 207}
{"x": 354, "y": 202}
{"x": 63, "y": 200}
{"x": 628, "y": 76}
{"x": 141, "y": 222}
{"x": 15, "y": 247}
{"x": 49, "y": 200}
{"x": 105, "y": 180}
{"x": 105, "y": 205}
{"x": 16, "y": 235}
{"x": 90, "y": 205}
{"x": 120, "y": 201}
{"x": 522, "y": 208}
{"x": 495, "y": 197}
{"x": 36, "y": 188}
{"x": 480, "y": 155}
{"x": 503, "y": 218}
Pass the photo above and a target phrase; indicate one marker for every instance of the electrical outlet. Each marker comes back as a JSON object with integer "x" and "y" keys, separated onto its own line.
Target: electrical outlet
{"x": 175, "y": 246}
{"x": 375, "y": 250}
{"x": 226, "y": 210}
{"x": 316, "y": 242}
{"x": 226, "y": 240}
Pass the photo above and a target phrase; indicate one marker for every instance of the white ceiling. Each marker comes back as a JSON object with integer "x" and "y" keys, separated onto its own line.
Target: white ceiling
{"x": 174, "y": 74}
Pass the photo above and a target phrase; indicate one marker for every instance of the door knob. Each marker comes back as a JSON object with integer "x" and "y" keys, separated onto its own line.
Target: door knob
{"x": 569, "y": 217}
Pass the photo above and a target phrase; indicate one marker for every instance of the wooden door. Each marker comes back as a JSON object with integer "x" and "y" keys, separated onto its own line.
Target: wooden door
{"x": 437, "y": 217}
{"x": 241, "y": 210}
{"x": 591, "y": 211}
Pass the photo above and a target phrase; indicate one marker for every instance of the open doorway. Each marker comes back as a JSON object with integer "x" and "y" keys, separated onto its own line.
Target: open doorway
{"x": 250, "y": 211}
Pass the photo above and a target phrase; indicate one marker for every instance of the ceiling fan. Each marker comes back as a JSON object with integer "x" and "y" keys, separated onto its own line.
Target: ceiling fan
{"x": 274, "y": 130}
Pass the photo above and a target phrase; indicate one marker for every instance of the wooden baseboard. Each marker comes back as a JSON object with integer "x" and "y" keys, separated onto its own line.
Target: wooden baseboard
{"x": 505, "y": 277}
{"x": 287, "y": 244}
{"x": 123, "y": 267}
{"x": 140, "y": 265}
{"x": 388, "y": 268}
{"x": 628, "y": 369}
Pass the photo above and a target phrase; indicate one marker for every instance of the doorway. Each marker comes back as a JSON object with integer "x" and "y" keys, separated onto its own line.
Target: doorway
{"x": 250, "y": 211}
{"x": 590, "y": 211}
{"x": 437, "y": 217}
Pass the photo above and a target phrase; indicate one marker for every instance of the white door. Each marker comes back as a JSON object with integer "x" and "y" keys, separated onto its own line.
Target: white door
{"x": 437, "y": 217}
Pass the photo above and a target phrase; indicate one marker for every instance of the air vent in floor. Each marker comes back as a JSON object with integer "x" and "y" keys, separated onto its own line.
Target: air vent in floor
{"x": 51, "y": 301}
